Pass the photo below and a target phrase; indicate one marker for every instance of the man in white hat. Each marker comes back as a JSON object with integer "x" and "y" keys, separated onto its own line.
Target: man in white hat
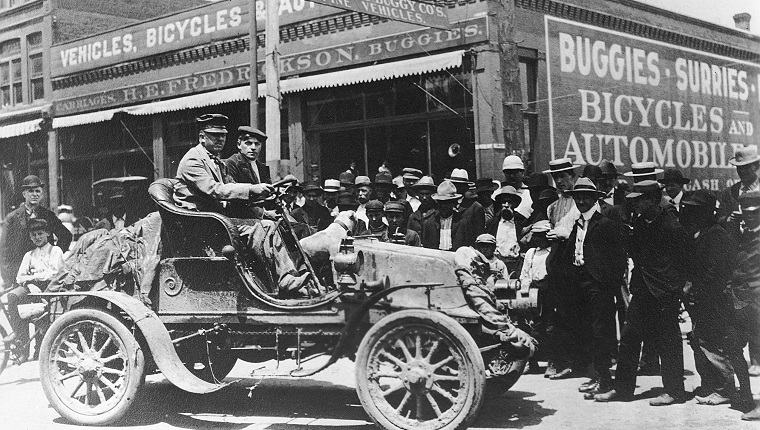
{"x": 439, "y": 226}
{"x": 514, "y": 173}
{"x": 648, "y": 171}
{"x": 424, "y": 189}
{"x": 747, "y": 163}
{"x": 562, "y": 213}
{"x": 473, "y": 217}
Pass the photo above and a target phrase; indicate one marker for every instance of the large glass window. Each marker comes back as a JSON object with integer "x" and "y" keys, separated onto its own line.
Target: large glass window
{"x": 36, "y": 82}
{"x": 529, "y": 87}
{"x": 10, "y": 73}
{"x": 405, "y": 122}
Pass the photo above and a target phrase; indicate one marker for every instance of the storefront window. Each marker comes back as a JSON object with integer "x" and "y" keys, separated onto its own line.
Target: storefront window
{"x": 529, "y": 87}
{"x": 405, "y": 122}
{"x": 10, "y": 73}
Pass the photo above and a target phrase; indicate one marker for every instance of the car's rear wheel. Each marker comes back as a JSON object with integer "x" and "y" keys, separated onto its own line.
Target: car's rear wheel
{"x": 208, "y": 357}
{"x": 419, "y": 369}
{"x": 91, "y": 367}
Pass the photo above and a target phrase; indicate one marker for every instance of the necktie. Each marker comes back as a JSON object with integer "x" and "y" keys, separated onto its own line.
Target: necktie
{"x": 580, "y": 222}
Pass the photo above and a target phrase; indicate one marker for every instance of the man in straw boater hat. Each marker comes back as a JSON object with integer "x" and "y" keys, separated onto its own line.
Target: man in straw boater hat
{"x": 331, "y": 189}
{"x": 439, "y": 226}
{"x": 15, "y": 241}
{"x": 424, "y": 190}
{"x": 203, "y": 185}
{"x": 711, "y": 258}
{"x": 473, "y": 218}
{"x": 658, "y": 249}
{"x": 648, "y": 171}
{"x": 745, "y": 281}
{"x": 595, "y": 260}
{"x": 563, "y": 212}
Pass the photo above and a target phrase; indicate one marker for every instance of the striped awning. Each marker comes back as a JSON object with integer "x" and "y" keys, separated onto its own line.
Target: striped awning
{"x": 20, "y": 128}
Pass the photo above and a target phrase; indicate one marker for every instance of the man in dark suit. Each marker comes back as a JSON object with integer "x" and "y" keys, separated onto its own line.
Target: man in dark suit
{"x": 439, "y": 226}
{"x": 674, "y": 182}
{"x": 597, "y": 264}
{"x": 204, "y": 186}
{"x": 15, "y": 241}
{"x": 313, "y": 213}
{"x": 244, "y": 166}
{"x": 117, "y": 215}
{"x": 658, "y": 247}
{"x": 473, "y": 216}
{"x": 747, "y": 164}
{"x": 424, "y": 190}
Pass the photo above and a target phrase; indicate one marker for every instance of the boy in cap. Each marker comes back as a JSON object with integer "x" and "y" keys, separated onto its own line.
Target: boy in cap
{"x": 15, "y": 241}
{"x": 376, "y": 226}
{"x": 37, "y": 269}
{"x": 658, "y": 249}
{"x": 486, "y": 245}
{"x": 712, "y": 253}
{"x": 397, "y": 231}
{"x": 313, "y": 213}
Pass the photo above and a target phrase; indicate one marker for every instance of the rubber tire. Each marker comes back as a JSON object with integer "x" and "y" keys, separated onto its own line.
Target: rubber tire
{"x": 456, "y": 333}
{"x": 5, "y": 355}
{"x": 134, "y": 381}
{"x": 222, "y": 362}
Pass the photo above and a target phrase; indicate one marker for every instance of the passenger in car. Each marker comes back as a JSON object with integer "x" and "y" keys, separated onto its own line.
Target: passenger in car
{"x": 205, "y": 186}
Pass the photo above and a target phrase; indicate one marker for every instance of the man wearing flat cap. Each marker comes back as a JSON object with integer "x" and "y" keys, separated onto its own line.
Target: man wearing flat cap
{"x": 204, "y": 186}
{"x": 658, "y": 249}
{"x": 397, "y": 232}
{"x": 244, "y": 167}
{"x": 313, "y": 213}
{"x": 15, "y": 241}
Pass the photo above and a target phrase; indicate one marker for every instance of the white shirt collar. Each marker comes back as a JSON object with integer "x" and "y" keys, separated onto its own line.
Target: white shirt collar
{"x": 589, "y": 213}
{"x": 677, "y": 199}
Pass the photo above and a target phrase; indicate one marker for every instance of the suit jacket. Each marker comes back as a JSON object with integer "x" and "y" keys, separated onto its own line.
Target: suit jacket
{"x": 729, "y": 202}
{"x": 604, "y": 253}
{"x": 712, "y": 256}
{"x": 471, "y": 225}
{"x": 15, "y": 242}
{"x": 202, "y": 183}
{"x": 316, "y": 217}
{"x": 107, "y": 222}
{"x": 239, "y": 168}
{"x": 431, "y": 230}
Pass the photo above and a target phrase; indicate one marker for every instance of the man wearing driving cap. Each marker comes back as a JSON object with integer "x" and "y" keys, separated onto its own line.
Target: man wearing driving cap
{"x": 313, "y": 213}
{"x": 204, "y": 185}
{"x": 411, "y": 176}
{"x": 514, "y": 172}
{"x": 397, "y": 232}
{"x": 439, "y": 226}
{"x": 658, "y": 249}
{"x": 472, "y": 215}
{"x": 15, "y": 241}
{"x": 595, "y": 259}
{"x": 244, "y": 167}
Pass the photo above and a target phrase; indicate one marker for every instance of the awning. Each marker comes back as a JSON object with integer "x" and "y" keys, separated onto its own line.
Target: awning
{"x": 20, "y": 128}
{"x": 85, "y": 118}
{"x": 377, "y": 72}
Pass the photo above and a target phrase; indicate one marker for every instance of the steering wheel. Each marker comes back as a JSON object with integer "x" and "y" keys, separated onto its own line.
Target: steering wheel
{"x": 289, "y": 179}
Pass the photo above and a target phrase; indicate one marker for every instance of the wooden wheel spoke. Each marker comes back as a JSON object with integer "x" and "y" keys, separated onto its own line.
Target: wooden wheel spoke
{"x": 400, "y": 344}
{"x": 404, "y": 401}
{"x": 433, "y": 348}
{"x": 418, "y": 399}
{"x": 103, "y": 380}
{"x": 101, "y": 395}
{"x": 395, "y": 360}
{"x": 387, "y": 374}
{"x": 392, "y": 390}
{"x": 443, "y": 362}
{"x": 112, "y": 358}
{"x": 444, "y": 393}
{"x": 87, "y": 394}
{"x": 69, "y": 375}
{"x": 71, "y": 361}
{"x": 113, "y": 371}
{"x": 83, "y": 341}
{"x": 418, "y": 347}
{"x": 104, "y": 346}
{"x": 433, "y": 404}
{"x": 445, "y": 377}
{"x": 74, "y": 348}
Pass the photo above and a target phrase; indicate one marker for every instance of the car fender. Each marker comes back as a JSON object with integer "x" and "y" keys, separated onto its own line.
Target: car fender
{"x": 157, "y": 337}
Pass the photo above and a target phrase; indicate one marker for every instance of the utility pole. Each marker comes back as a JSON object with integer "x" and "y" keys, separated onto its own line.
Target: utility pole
{"x": 273, "y": 87}
{"x": 254, "y": 70}
{"x": 503, "y": 12}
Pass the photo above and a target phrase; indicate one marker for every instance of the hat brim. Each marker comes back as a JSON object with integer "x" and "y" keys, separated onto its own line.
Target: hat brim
{"x": 501, "y": 198}
{"x": 26, "y": 187}
{"x": 444, "y": 198}
{"x": 215, "y": 130}
{"x": 682, "y": 181}
{"x": 383, "y": 184}
{"x": 576, "y": 192}
{"x": 634, "y": 195}
{"x": 733, "y": 161}
{"x": 426, "y": 186}
{"x": 550, "y": 171}
{"x": 750, "y": 208}
{"x": 634, "y": 175}
{"x": 493, "y": 187}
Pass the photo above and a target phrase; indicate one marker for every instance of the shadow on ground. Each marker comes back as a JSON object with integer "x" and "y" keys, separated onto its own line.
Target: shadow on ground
{"x": 513, "y": 409}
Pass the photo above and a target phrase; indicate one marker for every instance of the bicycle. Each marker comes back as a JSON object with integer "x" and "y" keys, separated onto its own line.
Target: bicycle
{"x": 40, "y": 313}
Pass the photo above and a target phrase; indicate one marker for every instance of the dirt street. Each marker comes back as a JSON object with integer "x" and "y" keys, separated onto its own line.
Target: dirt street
{"x": 328, "y": 401}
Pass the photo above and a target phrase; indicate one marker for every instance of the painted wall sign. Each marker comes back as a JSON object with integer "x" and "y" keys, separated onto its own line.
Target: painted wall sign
{"x": 411, "y": 11}
{"x": 629, "y": 99}
{"x": 360, "y": 52}
{"x": 217, "y": 21}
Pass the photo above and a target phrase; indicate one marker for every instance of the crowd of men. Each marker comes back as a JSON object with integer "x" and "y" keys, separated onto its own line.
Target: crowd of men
{"x": 604, "y": 253}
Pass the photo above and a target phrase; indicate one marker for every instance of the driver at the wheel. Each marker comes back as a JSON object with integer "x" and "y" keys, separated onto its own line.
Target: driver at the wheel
{"x": 205, "y": 186}
{"x": 473, "y": 272}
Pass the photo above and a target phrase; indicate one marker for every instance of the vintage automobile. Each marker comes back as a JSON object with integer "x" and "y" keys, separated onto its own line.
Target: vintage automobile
{"x": 422, "y": 358}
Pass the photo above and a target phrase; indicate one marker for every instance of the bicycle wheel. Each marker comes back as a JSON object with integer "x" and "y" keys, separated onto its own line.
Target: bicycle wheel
{"x": 5, "y": 350}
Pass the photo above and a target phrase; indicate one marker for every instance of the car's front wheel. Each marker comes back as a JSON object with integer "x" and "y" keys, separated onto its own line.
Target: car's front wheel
{"x": 91, "y": 367}
{"x": 420, "y": 369}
